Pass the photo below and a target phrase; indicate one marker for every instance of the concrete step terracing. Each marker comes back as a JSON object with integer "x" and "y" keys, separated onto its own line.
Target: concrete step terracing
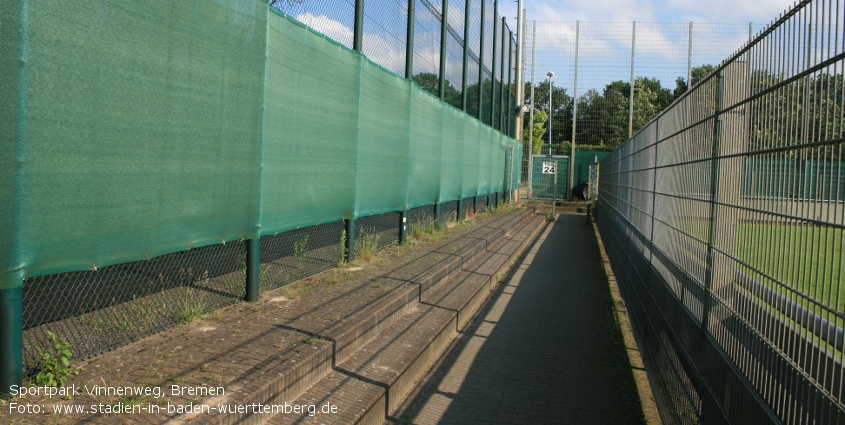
{"x": 399, "y": 355}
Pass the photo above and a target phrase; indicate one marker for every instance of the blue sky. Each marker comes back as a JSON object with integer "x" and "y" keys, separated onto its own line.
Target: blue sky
{"x": 713, "y": 11}
{"x": 662, "y": 49}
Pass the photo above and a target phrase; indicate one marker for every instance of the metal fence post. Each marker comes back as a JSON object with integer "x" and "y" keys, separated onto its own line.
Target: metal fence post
{"x": 631, "y": 94}
{"x": 460, "y": 214}
{"x": 554, "y": 189}
{"x": 502, "y": 79}
{"x": 465, "y": 74}
{"x": 689, "y": 59}
{"x": 437, "y": 218}
{"x": 530, "y": 168}
{"x": 403, "y": 226}
{"x": 520, "y": 74}
{"x": 253, "y": 268}
{"x": 481, "y": 62}
{"x": 409, "y": 44}
{"x": 11, "y": 340}
{"x": 493, "y": 70}
{"x": 574, "y": 101}
{"x": 507, "y": 106}
{"x": 349, "y": 225}
{"x": 444, "y": 33}
{"x": 358, "y": 32}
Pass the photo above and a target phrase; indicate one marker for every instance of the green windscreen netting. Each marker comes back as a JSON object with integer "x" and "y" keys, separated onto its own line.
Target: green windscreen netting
{"x": 135, "y": 129}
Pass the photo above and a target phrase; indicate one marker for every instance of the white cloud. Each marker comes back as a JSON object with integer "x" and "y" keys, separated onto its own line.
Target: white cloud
{"x": 376, "y": 48}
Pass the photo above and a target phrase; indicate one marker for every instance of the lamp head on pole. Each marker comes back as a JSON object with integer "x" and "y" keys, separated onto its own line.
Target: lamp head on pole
{"x": 550, "y": 74}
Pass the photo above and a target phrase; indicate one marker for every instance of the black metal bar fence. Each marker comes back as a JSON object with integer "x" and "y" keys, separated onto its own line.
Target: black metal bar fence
{"x": 468, "y": 73}
{"x": 723, "y": 221}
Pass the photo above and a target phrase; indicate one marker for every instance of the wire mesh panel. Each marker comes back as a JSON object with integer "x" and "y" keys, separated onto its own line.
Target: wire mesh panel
{"x": 468, "y": 206}
{"x": 481, "y": 205}
{"x": 454, "y": 54}
{"x": 96, "y": 311}
{"x": 299, "y": 253}
{"x": 420, "y": 214}
{"x": 473, "y": 70}
{"x": 334, "y": 18}
{"x": 378, "y": 231}
{"x": 427, "y": 45}
{"x": 449, "y": 211}
{"x": 723, "y": 223}
{"x": 610, "y": 79}
{"x": 385, "y": 33}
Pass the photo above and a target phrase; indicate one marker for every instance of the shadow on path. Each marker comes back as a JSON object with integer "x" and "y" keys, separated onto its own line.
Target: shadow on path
{"x": 545, "y": 348}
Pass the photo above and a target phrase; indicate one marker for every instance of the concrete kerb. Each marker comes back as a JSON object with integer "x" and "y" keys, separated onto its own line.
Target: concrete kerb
{"x": 649, "y": 406}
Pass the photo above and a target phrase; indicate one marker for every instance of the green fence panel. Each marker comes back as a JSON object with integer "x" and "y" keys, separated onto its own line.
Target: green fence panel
{"x": 543, "y": 184}
{"x": 582, "y": 164}
{"x": 141, "y": 129}
{"x": 485, "y": 156}
{"x": 823, "y": 181}
{"x": 454, "y": 139}
{"x": 497, "y": 165}
{"x": 384, "y": 125}
{"x": 425, "y": 156}
{"x": 310, "y": 128}
{"x": 771, "y": 178}
{"x": 470, "y": 162}
{"x": 516, "y": 183}
{"x": 137, "y": 129}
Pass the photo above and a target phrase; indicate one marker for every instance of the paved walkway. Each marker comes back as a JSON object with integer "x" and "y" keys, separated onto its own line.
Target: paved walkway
{"x": 545, "y": 348}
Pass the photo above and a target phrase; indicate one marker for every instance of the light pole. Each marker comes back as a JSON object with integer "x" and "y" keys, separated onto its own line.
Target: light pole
{"x": 550, "y": 75}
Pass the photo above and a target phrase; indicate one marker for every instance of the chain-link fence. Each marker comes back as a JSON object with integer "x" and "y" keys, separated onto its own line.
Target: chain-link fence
{"x": 97, "y": 311}
{"x": 610, "y": 79}
{"x": 723, "y": 220}
{"x": 470, "y": 62}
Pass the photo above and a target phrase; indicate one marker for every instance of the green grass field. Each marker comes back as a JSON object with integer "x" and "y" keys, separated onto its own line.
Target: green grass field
{"x": 807, "y": 258}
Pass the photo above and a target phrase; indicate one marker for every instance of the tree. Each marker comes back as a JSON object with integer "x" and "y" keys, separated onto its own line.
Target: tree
{"x": 540, "y": 119}
{"x": 431, "y": 83}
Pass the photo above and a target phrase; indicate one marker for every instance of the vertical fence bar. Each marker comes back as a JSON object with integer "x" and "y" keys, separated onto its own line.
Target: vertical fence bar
{"x": 409, "y": 42}
{"x": 520, "y": 71}
{"x": 714, "y": 211}
{"x": 438, "y": 222}
{"x": 465, "y": 74}
{"x": 403, "y": 232}
{"x": 689, "y": 59}
{"x": 481, "y": 61}
{"x": 502, "y": 78}
{"x": 530, "y": 167}
{"x": 493, "y": 68}
{"x": 444, "y": 33}
{"x": 253, "y": 267}
{"x": 11, "y": 340}
{"x": 358, "y": 30}
{"x": 631, "y": 94}
{"x": 349, "y": 226}
{"x": 509, "y": 103}
{"x": 575, "y": 98}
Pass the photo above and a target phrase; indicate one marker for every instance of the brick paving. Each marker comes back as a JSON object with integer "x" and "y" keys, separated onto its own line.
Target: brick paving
{"x": 545, "y": 349}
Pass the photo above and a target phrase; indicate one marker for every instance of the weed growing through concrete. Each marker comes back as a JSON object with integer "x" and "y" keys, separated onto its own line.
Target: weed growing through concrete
{"x": 340, "y": 252}
{"x": 55, "y": 364}
{"x": 366, "y": 246}
{"x": 192, "y": 308}
{"x": 299, "y": 251}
